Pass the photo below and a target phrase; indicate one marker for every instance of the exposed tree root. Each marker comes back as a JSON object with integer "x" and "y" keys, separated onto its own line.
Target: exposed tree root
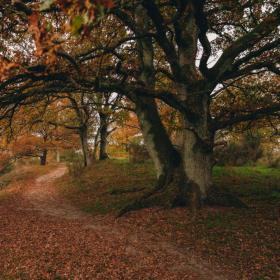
{"x": 170, "y": 197}
{"x": 122, "y": 191}
{"x": 172, "y": 190}
{"x": 154, "y": 198}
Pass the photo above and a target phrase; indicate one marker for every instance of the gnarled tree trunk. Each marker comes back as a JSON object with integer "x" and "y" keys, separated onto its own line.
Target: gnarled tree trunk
{"x": 198, "y": 142}
{"x": 172, "y": 183}
{"x": 184, "y": 175}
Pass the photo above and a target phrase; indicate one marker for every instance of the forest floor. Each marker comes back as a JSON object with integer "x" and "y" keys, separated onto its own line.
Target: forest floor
{"x": 56, "y": 225}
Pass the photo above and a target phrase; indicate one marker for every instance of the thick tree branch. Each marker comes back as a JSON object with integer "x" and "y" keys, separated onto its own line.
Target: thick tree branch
{"x": 256, "y": 53}
{"x": 161, "y": 37}
{"x": 247, "y": 116}
{"x": 224, "y": 64}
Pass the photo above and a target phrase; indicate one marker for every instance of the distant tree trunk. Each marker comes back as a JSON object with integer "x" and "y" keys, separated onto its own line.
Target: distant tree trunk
{"x": 96, "y": 144}
{"x": 57, "y": 156}
{"x": 43, "y": 157}
{"x": 103, "y": 136}
{"x": 83, "y": 131}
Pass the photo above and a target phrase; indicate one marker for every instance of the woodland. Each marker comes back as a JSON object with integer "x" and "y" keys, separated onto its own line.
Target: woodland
{"x": 139, "y": 139}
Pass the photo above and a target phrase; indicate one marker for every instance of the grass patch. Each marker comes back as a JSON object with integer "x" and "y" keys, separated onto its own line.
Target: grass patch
{"x": 109, "y": 185}
{"x": 246, "y": 171}
{"x": 254, "y": 184}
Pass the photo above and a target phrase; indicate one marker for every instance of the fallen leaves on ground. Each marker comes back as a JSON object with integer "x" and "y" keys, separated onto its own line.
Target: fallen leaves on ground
{"x": 35, "y": 244}
{"x": 44, "y": 236}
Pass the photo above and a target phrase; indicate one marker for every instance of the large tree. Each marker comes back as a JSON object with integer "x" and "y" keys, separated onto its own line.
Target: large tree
{"x": 192, "y": 55}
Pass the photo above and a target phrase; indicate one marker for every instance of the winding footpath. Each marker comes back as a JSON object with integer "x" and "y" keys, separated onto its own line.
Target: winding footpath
{"x": 42, "y": 236}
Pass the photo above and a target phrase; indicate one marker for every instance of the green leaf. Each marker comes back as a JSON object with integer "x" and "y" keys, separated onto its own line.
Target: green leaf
{"x": 46, "y": 4}
{"x": 77, "y": 23}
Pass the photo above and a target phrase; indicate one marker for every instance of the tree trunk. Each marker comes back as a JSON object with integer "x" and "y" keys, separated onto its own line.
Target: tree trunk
{"x": 57, "y": 156}
{"x": 95, "y": 151}
{"x": 174, "y": 185}
{"x": 170, "y": 174}
{"x": 103, "y": 136}
{"x": 84, "y": 143}
{"x": 198, "y": 161}
{"x": 96, "y": 144}
{"x": 158, "y": 144}
{"x": 43, "y": 157}
{"x": 157, "y": 141}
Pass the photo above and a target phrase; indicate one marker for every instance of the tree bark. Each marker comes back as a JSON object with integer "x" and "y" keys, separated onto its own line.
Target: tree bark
{"x": 158, "y": 144}
{"x": 96, "y": 144}
{"x": 83, "y": 131}
{"x": 103, "y": 137}
{"x": 198, "y": 162}
{"x": 43, "y": 157}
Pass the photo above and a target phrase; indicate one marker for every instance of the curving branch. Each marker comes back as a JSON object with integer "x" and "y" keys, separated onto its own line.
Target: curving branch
{"x": 224, "y": 64}
{"x": 247, "y": 116}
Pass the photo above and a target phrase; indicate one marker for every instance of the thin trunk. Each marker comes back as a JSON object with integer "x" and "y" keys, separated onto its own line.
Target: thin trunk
{"x": 95, "y": 150}
{"x": 96, "y": 143}
{"x": 103, "y": 136}
{"x": 57, "y": 156}
{"x": 43, "y": 157}
{"x": 84, "y": 143}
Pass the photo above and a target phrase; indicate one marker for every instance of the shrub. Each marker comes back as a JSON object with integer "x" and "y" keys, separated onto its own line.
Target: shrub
{"x": 248, "y": 151}
{"x": 137, "y": 153}
{"x": 274, "y": 163}
{"x": 74, "y": 162}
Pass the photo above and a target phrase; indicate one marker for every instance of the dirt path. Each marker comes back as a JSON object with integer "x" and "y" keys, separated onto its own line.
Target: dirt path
{"x": 100, "y": 247}
{"x": 44, "y": 197}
